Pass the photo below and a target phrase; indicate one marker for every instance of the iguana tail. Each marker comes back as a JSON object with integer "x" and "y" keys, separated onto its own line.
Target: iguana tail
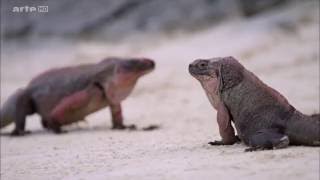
{"x": 16, "y": 108}
{"x": 303, "y": 129}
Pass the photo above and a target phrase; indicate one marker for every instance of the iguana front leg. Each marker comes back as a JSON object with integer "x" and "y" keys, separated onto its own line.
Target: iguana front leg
{"x": 225, "y": 128}
{"x": 117, "y": 118}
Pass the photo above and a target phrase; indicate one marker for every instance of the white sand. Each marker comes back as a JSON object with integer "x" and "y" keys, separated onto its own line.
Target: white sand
{"x": 281, "y": 47}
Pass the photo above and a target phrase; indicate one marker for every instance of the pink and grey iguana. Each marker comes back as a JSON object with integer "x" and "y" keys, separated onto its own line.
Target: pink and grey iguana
{"x": 66, "y": 95}
{"x": 263, "y": 118}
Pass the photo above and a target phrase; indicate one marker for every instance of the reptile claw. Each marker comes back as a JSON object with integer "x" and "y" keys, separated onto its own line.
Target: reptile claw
{"x": 215, "y": 143}
{"x": 19, "y": 132}
{"x": 122, "y": 127}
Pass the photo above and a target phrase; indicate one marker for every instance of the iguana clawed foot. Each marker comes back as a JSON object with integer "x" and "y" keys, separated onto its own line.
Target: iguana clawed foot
{"x": 17, "y": 132}
{"x": 123, "y": 127}
{"x": 219, "y": 143}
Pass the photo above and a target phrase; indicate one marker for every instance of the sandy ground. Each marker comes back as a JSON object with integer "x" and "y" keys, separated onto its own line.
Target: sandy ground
{"x": 281, "y": 47}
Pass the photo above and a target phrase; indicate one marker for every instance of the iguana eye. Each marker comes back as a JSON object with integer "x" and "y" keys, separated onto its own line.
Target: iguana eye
{"x": 203, "y": 64}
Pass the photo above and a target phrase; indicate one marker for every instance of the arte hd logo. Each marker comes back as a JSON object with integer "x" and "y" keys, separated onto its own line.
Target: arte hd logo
{"x": 30, "y": 9}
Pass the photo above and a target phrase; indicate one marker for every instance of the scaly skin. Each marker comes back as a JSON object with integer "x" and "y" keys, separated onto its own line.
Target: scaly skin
{"x": 263, "y": 118}
{"x": 66, "y": 95}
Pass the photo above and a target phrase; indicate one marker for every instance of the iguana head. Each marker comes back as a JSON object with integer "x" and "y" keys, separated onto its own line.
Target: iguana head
{"x": 220, "y": 72}
{"x": 139, "y": 66}
{"x": 125, "y": 72}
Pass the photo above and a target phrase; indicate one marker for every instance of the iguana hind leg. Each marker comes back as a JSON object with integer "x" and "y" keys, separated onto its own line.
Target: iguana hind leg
{"x": 65, "y": 111}
{"x": 22, "y": 106}
{"x": 268, "y": 139}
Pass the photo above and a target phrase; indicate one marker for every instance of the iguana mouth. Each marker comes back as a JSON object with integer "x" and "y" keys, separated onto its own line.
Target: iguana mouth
{"x": 196, "y": 72}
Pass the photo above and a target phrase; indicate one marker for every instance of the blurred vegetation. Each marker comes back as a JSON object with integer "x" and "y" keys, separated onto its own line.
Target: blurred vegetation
{"x": 117, "y": 19}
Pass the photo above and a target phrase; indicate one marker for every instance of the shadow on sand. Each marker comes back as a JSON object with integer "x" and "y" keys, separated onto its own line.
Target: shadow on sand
{"x": 85, "y": 130}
